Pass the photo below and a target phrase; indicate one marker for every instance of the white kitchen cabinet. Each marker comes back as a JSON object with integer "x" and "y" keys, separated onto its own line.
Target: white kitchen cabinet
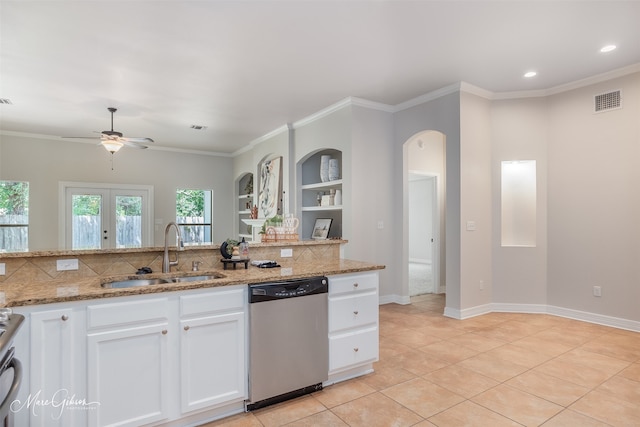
{"x": 212, "y": 349}
{"x": 128, "y": 362}
{"x": 353, "y": 324}
{"x": 56, "y": 366}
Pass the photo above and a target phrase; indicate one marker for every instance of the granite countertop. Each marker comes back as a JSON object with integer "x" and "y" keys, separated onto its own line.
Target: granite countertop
{"x": 25, "y": 294}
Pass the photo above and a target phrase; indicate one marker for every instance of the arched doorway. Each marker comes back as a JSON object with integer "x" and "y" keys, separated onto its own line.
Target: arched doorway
{"x": 424, "y": 189}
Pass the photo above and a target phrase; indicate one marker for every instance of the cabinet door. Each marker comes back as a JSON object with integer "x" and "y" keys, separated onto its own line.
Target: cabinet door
{"x": 127, "y": 375}
{"x": 212, "y": 360}
{"x": 54, "y": 366}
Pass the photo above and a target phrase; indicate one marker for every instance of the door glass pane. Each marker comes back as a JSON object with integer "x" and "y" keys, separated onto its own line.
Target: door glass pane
{"x": 86, "y": 221}
{"x": 128, "y": 221}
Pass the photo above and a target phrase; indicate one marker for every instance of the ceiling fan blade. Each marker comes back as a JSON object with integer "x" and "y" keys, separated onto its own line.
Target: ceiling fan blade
{"x": 80, "y": 137}
{"x": 132, "y": 144}
{"x": 136, "y": 140}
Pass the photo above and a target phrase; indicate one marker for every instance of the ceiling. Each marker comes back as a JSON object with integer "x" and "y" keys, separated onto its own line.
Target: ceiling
{"x": 246, "y": 68}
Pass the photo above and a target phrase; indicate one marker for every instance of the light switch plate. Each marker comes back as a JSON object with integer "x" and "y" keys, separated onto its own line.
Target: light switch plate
{"x": 67, "y": 264}
{"x": 3, "y": 271}
{"x": 286, "y": 253}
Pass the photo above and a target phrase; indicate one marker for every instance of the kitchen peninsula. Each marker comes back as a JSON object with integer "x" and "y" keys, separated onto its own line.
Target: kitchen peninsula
{"x": 170, "y": 353}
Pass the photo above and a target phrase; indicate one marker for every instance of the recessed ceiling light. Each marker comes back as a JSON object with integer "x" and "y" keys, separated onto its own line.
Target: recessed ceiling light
{"x": 608, "y": 48}
{"x": 530, "y": 74}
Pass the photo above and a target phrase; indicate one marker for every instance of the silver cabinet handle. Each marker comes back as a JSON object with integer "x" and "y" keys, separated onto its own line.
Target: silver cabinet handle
{"x": 164, "y": 332}
{"x": 64, "y": 317}
{"x": 186, "y": 328}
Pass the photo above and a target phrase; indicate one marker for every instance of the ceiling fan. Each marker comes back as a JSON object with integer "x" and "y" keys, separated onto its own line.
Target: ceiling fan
{"x": 113, "y": 140}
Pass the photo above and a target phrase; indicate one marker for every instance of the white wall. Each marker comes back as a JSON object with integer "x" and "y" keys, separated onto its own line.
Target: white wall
{"x": 594, "y": 201}
{"x": 520, "y": 131}
{"x": 45, "y": 162}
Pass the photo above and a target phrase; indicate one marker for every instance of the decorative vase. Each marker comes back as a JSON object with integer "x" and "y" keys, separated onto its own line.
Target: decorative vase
{"x": 334, "y": 170}
{"x": 338, "y": 198}
{"x": 324, "y": 168}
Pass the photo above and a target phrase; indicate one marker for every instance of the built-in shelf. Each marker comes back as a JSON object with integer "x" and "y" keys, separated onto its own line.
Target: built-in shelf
{"x": 321, "y": 208}
{"x": 323, "y": 185}
{"x": 245, "y": 202}
{"x": 312, "y": 188}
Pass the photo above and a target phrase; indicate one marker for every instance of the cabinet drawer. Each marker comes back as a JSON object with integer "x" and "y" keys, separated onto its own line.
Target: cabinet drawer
{"x": 353, "y": 283}
{"x": 123, "y": 313}
{"x": 211, "y": 302}
{"x": 349, "y": 311}
{"x": 348, "y": 350}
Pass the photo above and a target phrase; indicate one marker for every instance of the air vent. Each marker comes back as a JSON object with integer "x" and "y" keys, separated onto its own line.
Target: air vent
{"x": 5, "y": 101}
{"x": 608, "y": 101}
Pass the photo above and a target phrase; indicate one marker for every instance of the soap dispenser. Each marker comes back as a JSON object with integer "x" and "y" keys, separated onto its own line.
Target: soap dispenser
{"x": 244, "y": 249}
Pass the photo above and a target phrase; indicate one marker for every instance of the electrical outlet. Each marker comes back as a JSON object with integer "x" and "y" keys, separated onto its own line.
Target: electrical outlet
{"x": 597, "y": 291}
{"x": 67, "y": 264}
{"x": 481, "y": 285}
{"x": 286, "y": 253}
{"x": 3, "y": 270}
{"x": 380, "y": 224}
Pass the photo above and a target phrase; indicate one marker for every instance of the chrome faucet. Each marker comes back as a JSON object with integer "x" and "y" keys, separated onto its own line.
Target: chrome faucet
{"x": 166, "y": 262}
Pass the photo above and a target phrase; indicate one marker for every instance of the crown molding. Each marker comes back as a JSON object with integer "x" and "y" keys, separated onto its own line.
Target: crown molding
{"x": 93, "y": 142}
{"x": 263, "y": 138}
{"x": 414, "y": 102}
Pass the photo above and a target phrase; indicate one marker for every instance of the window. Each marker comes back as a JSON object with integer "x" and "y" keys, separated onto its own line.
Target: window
{"x": 14, "y": 216}
{"x": 193, "y": 215}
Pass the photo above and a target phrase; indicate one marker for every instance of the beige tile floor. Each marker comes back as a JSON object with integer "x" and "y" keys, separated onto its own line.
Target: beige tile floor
{"x": 500, "y": 369}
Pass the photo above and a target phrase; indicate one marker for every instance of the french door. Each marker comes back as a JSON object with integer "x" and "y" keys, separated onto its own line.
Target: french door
{"x": 103, "y": 217}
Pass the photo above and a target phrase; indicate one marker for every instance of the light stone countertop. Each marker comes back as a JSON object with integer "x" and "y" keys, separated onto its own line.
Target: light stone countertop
{"x": 54, "y": 291}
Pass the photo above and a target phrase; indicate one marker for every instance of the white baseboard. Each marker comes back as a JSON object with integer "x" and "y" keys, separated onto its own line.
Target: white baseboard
{"x": 398, "y": 299}
{"x": 600, "y": 319}
{"x": 614, "y": 322}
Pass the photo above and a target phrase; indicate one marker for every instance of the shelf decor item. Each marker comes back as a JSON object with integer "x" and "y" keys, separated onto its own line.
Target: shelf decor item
{"x": 334, "y": 170}
{"x": 324, "y": 168}
{"x": 321, "y": 228}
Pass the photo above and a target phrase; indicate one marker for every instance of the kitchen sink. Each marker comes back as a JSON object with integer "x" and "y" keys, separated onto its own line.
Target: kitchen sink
{"x": 196, "y": 278}
{"x": 146, "y": 282}
{"x": 134, "y": 282}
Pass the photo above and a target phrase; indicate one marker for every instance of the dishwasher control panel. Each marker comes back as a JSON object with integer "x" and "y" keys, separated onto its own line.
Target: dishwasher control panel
{"x": 288, "y": 289}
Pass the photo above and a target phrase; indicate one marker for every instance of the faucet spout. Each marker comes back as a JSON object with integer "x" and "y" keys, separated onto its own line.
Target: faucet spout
{"x": 166, "y": 262}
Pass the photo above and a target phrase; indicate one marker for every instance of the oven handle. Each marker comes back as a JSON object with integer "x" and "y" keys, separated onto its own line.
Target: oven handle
{"x": 13, "y": 390}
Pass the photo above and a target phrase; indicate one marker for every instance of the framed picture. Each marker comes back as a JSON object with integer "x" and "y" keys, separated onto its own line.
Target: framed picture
{"x": 321, "y": 228}
{"x": 270, "y": 195}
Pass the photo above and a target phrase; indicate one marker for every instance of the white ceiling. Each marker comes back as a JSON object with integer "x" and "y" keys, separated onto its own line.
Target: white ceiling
{"x": 246, "y": 68}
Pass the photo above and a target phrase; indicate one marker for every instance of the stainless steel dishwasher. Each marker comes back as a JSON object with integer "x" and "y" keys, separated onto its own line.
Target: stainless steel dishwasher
{"x": 288, "y": 340}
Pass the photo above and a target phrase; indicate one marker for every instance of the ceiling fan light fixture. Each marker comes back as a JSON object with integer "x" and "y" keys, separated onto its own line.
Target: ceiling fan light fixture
{"x": 112, "y": 146}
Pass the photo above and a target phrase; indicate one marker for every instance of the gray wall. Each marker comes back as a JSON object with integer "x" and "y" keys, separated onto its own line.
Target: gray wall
{"x": 45, "y": 162}
{"x": 594, "y": 202}
{"x": 441, "y": 114}
{"x": 520, "y": 131}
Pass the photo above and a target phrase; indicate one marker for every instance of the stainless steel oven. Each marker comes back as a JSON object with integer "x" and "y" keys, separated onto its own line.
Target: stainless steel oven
{"x": 10, "y": 366}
